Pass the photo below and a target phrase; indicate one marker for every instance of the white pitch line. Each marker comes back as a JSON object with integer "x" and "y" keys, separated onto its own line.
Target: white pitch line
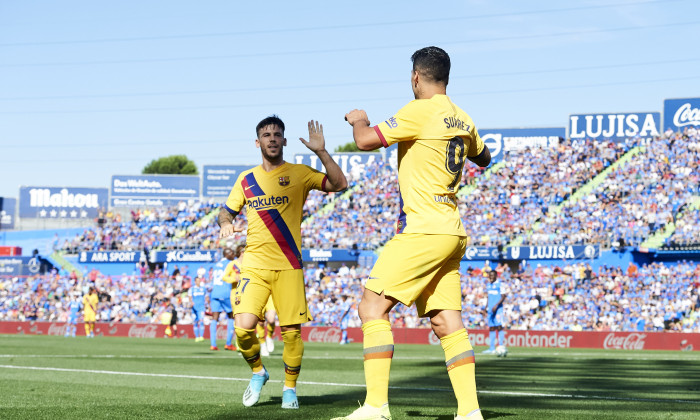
{"x": 218, "y": 378}
{"x": 572, "y": 356}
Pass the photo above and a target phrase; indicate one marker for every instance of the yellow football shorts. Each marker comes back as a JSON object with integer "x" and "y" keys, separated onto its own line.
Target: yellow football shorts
{"x": 269, "y": 306}
{"x": 89, "y": 316}
{"x": 420, "y": 268}
{"x": 285, "y": 287}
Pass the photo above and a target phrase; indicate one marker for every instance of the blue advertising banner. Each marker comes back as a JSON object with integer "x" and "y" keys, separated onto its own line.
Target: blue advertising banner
{"x": 110, "y": 256}
{"x": 217, "y": 180}
{"x": 61, "y": 202}
{"x": 22, "y": 266}
{"x": 681, "y": 113}
{"x": 346, "y": 161}
{"x": 152, "y": 190}
{"x": 185, "y": 255}
{"x": 515, "y": 139}
{"x": 552, "y": 252}
{"x": 481, "y": 253}
{"x": 8, "y": 212}
{"x": 615, "y": 127}
{"x": 329, "y": 255}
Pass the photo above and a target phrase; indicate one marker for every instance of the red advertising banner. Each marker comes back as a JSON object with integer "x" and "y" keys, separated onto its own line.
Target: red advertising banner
{"x": 10, "y": 251}
{"x": 514, "y": 338}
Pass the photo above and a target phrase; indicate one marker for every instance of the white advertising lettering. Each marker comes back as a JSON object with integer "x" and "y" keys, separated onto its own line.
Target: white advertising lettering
{"x": 612, "y": 126}
{"x": 686, "y": 115}
{"x": 184, "y": 256}
{"x": 42, "y": 197}
{"x": 57, "y": 329}
{"x": 145, "y": 331}
{"x": 330, "y": 335}
{"x": 633, "y": 341}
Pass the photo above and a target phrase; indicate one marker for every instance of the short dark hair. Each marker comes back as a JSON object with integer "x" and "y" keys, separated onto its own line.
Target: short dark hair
{"x": 433, "y": 63}
{"x": 271, "y": 120}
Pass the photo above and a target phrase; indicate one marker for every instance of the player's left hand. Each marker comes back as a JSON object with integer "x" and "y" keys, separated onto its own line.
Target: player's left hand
{"x": 316, "y": 142}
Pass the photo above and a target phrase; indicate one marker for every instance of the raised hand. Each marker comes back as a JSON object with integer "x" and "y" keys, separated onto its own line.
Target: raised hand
{"x": 316, "y": 142}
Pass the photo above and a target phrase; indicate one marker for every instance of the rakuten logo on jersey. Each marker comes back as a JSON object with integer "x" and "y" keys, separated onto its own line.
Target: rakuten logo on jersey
{"x": 146, "y": 331}
{"x": 632, "y": 341}
{"x": 330, "y": 335}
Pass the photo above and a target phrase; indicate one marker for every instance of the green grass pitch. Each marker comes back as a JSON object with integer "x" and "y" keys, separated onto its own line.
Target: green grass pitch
{"x": 47, "y": 377}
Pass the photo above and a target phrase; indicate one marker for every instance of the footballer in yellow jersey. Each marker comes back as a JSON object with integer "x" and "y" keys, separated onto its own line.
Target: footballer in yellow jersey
{"x": 434, "y": 139}
{"x": 274, "y": 202}
{"x": 274, "y": 194}
{"x": 90, "y": 311}
{"x": 421, "y": 262}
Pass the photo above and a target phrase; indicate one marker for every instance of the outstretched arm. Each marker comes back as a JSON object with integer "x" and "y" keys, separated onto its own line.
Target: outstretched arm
{"x": 365, "y": 136}
{"x": 317, "y": 144}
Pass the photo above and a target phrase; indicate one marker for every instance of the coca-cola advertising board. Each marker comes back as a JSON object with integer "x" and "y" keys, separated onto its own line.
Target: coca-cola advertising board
{"x": 680, "y": 114}
{"x": 514, "y": 338}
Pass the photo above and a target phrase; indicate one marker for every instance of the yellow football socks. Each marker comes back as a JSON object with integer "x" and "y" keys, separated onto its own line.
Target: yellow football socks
{"x": 270, "y": 330}
{"x": 459, "y": 357}
{"x": 249, "y": 346}
{"x": 260, "y": 331}
{"x": 378, "y": 351}
{"x": 291, "y": 356}
{"x": 87, "y": 330}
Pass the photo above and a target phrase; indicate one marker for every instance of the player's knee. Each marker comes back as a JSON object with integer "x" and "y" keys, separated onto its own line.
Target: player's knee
{"x": 243, "y": 333}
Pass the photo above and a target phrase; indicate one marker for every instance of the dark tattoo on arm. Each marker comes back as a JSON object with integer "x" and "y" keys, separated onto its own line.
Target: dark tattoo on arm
{"x": 226, "y": 217}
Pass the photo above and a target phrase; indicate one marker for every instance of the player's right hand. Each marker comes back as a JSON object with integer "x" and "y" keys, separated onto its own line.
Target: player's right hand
{"x": 226, "y": 231}
{"x": 356, "y": 115}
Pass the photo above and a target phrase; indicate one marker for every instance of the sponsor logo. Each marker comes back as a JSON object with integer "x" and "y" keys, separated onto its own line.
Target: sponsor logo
{"x": 57, "y": 329}
{"x": 109, "y": 256}
{"x": 471, "y": 252}
{"x": 185, "y": 256}
{"x": 329, "y": 335}
{"x": 494, "y": 142}
{"x": 42, "y": 197}
{"x": 634, "y": 341}
{"x": 433, "y": 339}
{"x": 589, "y": 251}
{"x": 283, "y": 180}
{"x": 320, "y": 254}
{"x": 613, "y": 126}
{"x": 686, "y": 115}
{"x": 259, "y": 203}
{"x": 145, "y": 331}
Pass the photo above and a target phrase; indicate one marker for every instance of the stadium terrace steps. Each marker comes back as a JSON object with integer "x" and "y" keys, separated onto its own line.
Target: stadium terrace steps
{"x": 585, "y": 189}
{"x": 659, "y": 237}
{"x": 57, "y": 260}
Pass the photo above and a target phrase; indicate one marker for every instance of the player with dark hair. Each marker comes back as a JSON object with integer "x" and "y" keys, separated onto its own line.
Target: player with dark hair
{"x": 274, "y": 194}
{"x": 421, "y": 262}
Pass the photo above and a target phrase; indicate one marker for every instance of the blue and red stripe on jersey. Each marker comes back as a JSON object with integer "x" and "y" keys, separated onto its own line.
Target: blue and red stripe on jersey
{"x": 274, "y": 222}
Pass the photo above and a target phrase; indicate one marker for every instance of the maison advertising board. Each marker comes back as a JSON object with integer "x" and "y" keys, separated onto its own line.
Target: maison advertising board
{"x": 617, "y": 127}
{"x": 680, "y": 114}
{"x": 153, "y": 190}
{"x": 61, "y": 202}
{"x": 504, "y": 140}
{"x": 217, "y": 180}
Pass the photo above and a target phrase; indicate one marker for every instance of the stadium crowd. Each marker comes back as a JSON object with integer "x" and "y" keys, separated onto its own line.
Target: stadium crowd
{"x": 651, "y": 188}
{"x": 636, "y": 199}
{"x": 525, "y": 187}
{"x": 654, "y": 297}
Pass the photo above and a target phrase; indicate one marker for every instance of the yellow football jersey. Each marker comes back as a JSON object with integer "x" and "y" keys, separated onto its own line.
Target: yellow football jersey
{"x": 435, "y": 136}
{"x": 90, "y": 303}
{"x": 275, "y": 202}
{"x": 232, "y": 272}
